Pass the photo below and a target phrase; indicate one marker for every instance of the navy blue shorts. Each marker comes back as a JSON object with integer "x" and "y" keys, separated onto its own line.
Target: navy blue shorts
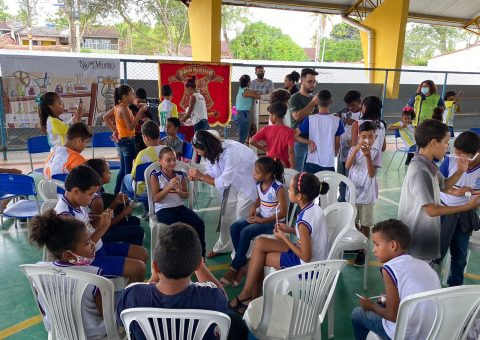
{"x": 111, "y": 258}
{"x": 450, "y": 128}
{"x": 289, "y": 259}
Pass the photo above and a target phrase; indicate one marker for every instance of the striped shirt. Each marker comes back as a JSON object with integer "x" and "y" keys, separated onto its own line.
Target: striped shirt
{"x": 172, "y": 199}
{"x": 269, "y": 198}
{"x": 313, "y": 217}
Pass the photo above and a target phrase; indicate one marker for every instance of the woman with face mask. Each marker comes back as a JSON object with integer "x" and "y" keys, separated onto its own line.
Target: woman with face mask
{"x": 425, "y": 101}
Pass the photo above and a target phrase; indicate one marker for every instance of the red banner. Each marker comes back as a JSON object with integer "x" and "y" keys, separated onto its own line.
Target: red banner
{"x": 213, "y": 82}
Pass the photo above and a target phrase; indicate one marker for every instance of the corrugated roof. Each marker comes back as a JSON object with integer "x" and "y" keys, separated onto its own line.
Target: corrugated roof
{"x": 90, "y": 32}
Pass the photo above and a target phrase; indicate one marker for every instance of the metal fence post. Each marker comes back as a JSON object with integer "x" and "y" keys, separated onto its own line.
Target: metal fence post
{"x": 384, "y": 94}
{"x": 125, "y": 77}
{"x": 444, "y": 88}
{"x": 3, "y": 129}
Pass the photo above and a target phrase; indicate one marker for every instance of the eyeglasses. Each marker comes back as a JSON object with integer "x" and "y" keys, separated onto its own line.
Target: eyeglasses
{"x": 311, "y": 82}
{"x": 468, "y": 159}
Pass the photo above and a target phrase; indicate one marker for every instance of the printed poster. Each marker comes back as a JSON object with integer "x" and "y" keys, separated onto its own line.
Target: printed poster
{"x": 92, "y": 80}
{"x": 213, "y": 82}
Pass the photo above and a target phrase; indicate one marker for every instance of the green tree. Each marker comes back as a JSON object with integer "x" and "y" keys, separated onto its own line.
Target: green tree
{"x": 422, "y": 42}
{"x": 4, "y": 16}
{"x": 231, "y": 17}
{"x": 28, "y": 11}
{"x": 261, "y": 41}
{"x": 348, "y": 50}
{"x": 344, "y": 31}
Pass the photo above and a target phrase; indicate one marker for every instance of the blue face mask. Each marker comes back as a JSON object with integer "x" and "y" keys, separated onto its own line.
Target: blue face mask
{"x": 425, "y": 90}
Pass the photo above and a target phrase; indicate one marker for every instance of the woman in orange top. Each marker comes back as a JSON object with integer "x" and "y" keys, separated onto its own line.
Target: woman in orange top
{"x": 124, "y": 129}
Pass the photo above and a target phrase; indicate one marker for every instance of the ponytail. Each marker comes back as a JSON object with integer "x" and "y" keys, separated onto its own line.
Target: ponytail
{"x": 122, "y": 90}
{"x": 43, "y": 101}
{"x": 272, "y": 166}
{"x": 309, "y": 185}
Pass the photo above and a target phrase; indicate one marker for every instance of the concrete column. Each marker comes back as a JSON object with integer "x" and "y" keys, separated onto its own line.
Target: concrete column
{"x": 205, "y": 18}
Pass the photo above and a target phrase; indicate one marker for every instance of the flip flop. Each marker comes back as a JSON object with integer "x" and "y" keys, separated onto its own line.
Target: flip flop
{"x": 211, "y": 254}
{"x": 239, "y": 307}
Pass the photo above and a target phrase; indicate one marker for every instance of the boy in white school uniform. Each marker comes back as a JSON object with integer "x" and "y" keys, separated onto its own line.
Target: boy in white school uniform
{"x": 457, "y": 228}
{"x": 324, "y": 131}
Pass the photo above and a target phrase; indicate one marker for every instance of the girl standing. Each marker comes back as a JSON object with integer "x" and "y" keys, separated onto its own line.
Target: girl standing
{"x": 50, "y": 107}
{"x": 197, "y": 108}
{"x": 229, "y": 168}
{"x": 270, "y": 206}
{"x": 70, "y": 243}
{"x": 311, "y": 232}
{"x": 169, "y": 188}
{"x": 124, "y": 129}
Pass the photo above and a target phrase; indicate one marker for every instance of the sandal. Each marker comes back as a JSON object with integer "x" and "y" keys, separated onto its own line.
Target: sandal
{"x": 211, "y": 254}
{"x": 228, "y": 277}
{"x": 238, "y": 278}
{"x": 240, "y": 307}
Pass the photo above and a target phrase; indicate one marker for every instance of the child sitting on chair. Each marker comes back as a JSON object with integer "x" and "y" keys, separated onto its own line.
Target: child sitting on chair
{"x": 70, "y": 242}
{"x": 403, "y": 275}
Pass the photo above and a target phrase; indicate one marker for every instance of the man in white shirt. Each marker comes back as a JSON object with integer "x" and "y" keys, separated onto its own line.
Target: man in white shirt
{"x": 261, "y": 85}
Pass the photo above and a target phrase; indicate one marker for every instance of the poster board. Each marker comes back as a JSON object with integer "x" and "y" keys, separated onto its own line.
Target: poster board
{"x": 213, "y": 82}
{"x": 92, "y": 80}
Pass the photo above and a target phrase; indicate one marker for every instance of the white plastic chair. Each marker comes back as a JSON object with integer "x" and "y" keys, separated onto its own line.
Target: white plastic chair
{"x": 61, "y": 289}
{"x": 171, "y": 324}
{"x": 295, "y": 301}
{"x": 334, "y": 179}
{"x": 340, "y": 218}
{"x": 352, "y": 239}
{"x": 289, "y": 174}
{"x": 473, "y": 245}
{"x": 47, "y": 189}
{"x": 47, "y": 205}
{"x": 456, "y": 310}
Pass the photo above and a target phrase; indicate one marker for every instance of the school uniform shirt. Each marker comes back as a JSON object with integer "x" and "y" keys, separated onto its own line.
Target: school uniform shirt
{"x": 166, "y": 110}
{"x": 91, "y": 317}
{"x": 346, "y": 137}
{"x": 56, "y": 131}
{"x": 412, "y": 276}
{"x": 243, "y": 103}
{"x": 147, "y": 155}
{"x": 172, "y": 199}
{"x": 175, "y": 143}
{"x": 313, "y": 217}
{"x": 66, "y": 208}
{"x": 269, "y": 199}
{"x": 278, "y": 138}
{"x": 199, "y": 109}
{"x": 197, "y": 295}
{"x": 449, "y": 113}
{"x": 322, "y": 128}
{"x": 234, "y": 167}
{"x": 366, "y": 187}
{"x": 61, "y": 160}
{"x": 407, "y": 134}
{"x": 421, "y": 186}
{"x": 380, "y": 133}
{"x": 470, "y": 178}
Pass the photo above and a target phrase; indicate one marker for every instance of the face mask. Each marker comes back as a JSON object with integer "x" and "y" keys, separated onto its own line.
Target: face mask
{"x": 260, "y": 75}
{"x": 81, "y": 260}
{"x": 425, "y": 90}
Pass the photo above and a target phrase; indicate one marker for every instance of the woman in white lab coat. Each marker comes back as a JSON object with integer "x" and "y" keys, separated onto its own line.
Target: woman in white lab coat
{"x": 230, "y": 169}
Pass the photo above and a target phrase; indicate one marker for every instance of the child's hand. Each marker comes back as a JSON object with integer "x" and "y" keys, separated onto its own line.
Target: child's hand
{"x": 174, "y": 182}
{"x": 366, "y": 304}
{"x": 474, "y": 202}
{"x": 365, "y": 150}
{"x": 279, "y": 234}
{"x": 143, "y": 108}
{"x": 114, "y": 137}
{"x": 121, "y": 198}
{"x": 255, "y": 219}
{"x": 311, "y": 146}
{"x": 128, "y": 209}
{"x": 281, "y": 227}
{"x": 106, "y": 217}
{"x": 253, "y": 212}
{"x": 194, "y": 175}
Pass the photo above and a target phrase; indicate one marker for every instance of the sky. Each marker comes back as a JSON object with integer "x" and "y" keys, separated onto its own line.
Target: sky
{"x": 300, "y": 26}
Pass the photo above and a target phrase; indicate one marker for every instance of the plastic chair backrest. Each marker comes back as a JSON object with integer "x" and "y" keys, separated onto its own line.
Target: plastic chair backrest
{"x": 190, "y": 324}
{"x": 47, "y": 205}
{"x": 140, "y": 172}
{"x": 334, "y": 179}
{"x": 60, "y": 177}
{"x": 397, "y": 133}
{"x": 456, "y": 309}
{"x": 38, "y": 144}
{"x": 187, "y": 150}
{"x": 311, "y": 287}
{"x": 477, "y": 130}
{"x": 61, "y": 289}
{"x": 47, "y": 189}
{"x": 340, "y": 217}
{"x": 155, "y": 166}
{"x": 17, "y": 185}
{"x": 102, "y": 140}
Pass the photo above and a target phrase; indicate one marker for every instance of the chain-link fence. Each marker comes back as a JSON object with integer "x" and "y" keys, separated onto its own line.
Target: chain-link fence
{"x": 337, "y": 79}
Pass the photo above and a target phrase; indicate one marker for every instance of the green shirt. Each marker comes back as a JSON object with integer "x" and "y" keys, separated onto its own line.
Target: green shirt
{"x": 297, "y": 102}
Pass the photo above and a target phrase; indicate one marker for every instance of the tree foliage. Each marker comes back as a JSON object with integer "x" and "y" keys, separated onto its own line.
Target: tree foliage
{"x": 343, "y": 45}
{"x": 28, "y": 11}
{"x": 4, "y": 16}
{"x": 233, "y": 16}
{"x": 263, "y": 42}
{"x": 344, "y": 31}
{"x": 422, "y": 42}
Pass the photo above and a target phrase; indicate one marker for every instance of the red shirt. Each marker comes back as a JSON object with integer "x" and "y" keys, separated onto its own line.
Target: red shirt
{"x": 278, "y": 138}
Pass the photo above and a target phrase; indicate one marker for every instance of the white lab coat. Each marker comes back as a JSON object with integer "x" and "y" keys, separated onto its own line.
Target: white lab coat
{"x": 234, "y": 169}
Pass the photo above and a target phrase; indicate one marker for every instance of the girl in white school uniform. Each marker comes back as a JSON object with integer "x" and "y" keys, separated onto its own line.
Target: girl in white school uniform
{"x": 229, "y": 168}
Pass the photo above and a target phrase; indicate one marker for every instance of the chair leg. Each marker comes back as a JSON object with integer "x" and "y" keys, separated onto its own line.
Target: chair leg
{"x": 391, "y": 159}
{"x": 331, "y": 318}
{"x": 400, "y": 164}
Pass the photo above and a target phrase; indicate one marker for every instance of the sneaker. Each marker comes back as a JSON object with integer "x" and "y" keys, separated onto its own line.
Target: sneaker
{"x": 359, "y": 260}
{"x": 145, "y": 216}
{"x": 135, "y": 204}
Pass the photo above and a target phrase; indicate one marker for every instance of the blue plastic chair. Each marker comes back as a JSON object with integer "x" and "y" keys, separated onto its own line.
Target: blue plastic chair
{"x": 140, "y": 177}
{"x": 103, "y": 140}
{"x": 477, "y": 130}
{"x": 19, "y": 185}
{"x": 187, "y": 150}
{"x": 163, "y": 134}
{"x": 61, "y": 178}
{"x": 402, "y": 149}
{"x": 38, "y": 144}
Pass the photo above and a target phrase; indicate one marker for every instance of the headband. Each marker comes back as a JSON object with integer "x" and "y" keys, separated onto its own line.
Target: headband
{"x": 407, "y": 109}
{"x": 300, "y": 181}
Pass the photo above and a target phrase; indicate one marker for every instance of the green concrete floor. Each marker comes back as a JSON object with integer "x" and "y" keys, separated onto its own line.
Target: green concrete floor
{"x": 19, "y": 314}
